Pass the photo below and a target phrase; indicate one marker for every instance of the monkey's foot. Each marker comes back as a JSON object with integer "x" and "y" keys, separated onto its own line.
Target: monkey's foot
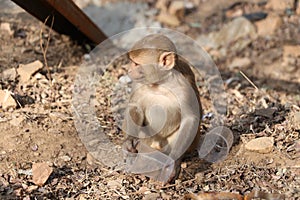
{"x": 130, "y": 145}
{"x": 175, "y": 173}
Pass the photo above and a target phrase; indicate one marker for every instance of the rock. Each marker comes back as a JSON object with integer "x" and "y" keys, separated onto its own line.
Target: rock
{"x": 151, "y": 196}
{"x": 240, "y": 63}
{"x": 297, "y": 146}
{"x": 5, "y": 27}
{"x": 266, "y": 112}
{"x": 209, "y": 7}
{"x": 36, "y": 154}
{"x": 66, "y": 158}
{"x": 143, "y": 189}
{"x": 190, "y": 5}
{"x": 256, "y": 16}
{"x": 206, "y": 188}
{"x": 280, "y": 5}
{"x": 297, "y": 117}
{"x": 34, "y": 147}
{"x": 269, "y": 25}
{"x": 116, "y": 13}
{"x": 291, "y": 57}
{"x": 17, "y": 120}
{"x": 235, "y": 35}
{"x": 31, "y": 188}
{"x": 199, "y": 176}
{"x": 6, "y": 100}
{"x": 177, "y": 8}
{"x": 26, "y": 71}
{"x": 9, "y": 74}
{"x": 114, "y": 184}
{"x": 23, "y": 100}
{"x": 291, "y": 50}
{"x": 4, "y": 182}
{"x": 183, "y": 165}
{"x": 39, "y": 76}
{"x": 260, "y": 145}
{"x": 298, "y": 9}
{"x": 82, "y": 3}
{"x": 162, "y": 5}
{"x": 40, "y": 173}
{"x": 125, "y": 79}
{"x": 168, "y": 19}
{"x": 296, "y": 120}
{"x": 9, "y": 7}
{"x": 234, "y": 13}
{"x": 91, "y": 160}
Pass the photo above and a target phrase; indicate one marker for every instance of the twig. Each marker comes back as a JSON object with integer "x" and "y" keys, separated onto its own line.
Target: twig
{"x": 244, "y": 75}
{"x": 163, "y": 187}
{"x": 44, "y": 50}
{"x": 176, "y": 184}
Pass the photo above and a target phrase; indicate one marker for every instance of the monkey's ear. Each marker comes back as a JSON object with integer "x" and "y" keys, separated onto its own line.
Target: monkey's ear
{"x": 167, "y": 60}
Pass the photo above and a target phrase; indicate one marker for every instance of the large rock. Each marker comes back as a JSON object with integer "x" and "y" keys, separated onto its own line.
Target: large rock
{"x": 291, "y": 50}
{"x": 235, "y": 35}
{"x": 298, "y": 9}
{"x": 114, "y": 18}
{"x": 40, "y": 173}
{"x": 291, "y": 57}
{"x": 162, "y": 5}
{"x": 209, "y": 7}
{"x": 269, "y": 25}
{"x": 260, "y": 145}
{"x": 177, "y": 8}
{"x": 5, "y": 27}
{"x": 17, "y": 119}
{"x": 296, "y": 120}
{"x": 6, "y": 100}
{"x": 151, "y": 196}
{"x": 240, "y": 63}
{"x": 26, "y": 71}
{"x": 9, "y": 74}
{"x": 168, "y": 19}
{"x": 280, "y": 5}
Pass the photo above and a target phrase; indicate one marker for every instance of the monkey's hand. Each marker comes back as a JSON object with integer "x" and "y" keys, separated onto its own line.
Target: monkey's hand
{"x": 130, "y": 144}
{"x": 130, "y": 151}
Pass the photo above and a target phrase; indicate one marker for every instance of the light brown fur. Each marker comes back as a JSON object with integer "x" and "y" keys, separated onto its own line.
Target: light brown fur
{"x": 165, "y": 105}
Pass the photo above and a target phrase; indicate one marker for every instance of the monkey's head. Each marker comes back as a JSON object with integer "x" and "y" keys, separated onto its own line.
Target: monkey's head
{"x": 152, "y": 59}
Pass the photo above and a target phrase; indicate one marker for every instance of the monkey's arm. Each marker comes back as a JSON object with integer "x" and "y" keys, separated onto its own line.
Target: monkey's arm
{"x": 133, "y": 121}
{"x": 184, "y": 137}
{"x": 134, "y": 118}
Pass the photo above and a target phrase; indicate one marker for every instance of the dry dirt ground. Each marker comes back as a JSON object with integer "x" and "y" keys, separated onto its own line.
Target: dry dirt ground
{"x": 41, "y": 128}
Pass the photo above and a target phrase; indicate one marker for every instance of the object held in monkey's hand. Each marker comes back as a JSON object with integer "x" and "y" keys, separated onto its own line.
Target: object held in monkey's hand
{"x": 150, "y": 162}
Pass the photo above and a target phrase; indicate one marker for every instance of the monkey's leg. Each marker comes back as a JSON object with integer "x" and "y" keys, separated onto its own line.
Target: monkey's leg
{"x": 180, "y": 142}
{"x": 174, "y": 175}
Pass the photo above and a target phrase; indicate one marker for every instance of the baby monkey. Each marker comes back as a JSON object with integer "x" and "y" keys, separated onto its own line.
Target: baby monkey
{"x": 164, "y": 109}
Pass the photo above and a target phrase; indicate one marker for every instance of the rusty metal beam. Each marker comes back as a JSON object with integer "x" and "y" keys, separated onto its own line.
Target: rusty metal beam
{"x": 68, "y": 19}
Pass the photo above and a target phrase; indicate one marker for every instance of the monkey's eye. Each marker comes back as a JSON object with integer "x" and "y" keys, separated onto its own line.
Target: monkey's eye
{"x": 134, "y": 64}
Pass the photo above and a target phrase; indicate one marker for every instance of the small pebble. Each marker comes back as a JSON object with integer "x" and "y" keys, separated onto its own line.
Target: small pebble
{"x": 260, "y": 145}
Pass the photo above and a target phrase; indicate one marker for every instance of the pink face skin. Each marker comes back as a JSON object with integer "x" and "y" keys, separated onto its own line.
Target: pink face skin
{"x": 150, "y": 68}
{"x": 135, "y": 71}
